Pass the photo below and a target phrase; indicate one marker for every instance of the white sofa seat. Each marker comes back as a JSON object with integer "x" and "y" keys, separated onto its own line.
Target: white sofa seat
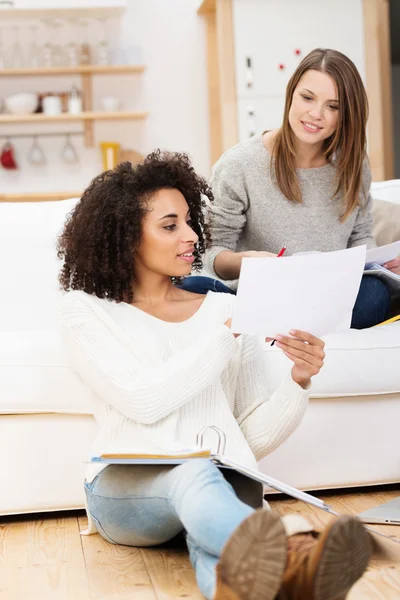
{"x": 348, "y": 436}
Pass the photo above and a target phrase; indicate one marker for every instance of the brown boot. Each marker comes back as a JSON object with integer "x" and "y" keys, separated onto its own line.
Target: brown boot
{"x": 253, "y": 559}
{"x": 325, "y": 566}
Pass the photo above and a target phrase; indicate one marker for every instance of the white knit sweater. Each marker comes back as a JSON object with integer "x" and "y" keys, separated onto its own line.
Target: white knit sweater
{"x": 155, "y": 384}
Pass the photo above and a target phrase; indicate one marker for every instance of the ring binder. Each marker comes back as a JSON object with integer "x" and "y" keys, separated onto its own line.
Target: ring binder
{"x": 221, "y": 437}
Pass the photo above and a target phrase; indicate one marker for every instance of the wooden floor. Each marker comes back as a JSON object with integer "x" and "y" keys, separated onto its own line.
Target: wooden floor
{"x": 44, "y": 557}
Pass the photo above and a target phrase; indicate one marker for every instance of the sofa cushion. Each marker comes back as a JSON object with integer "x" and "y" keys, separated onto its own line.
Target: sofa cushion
{"x": 35, "y": 376}
{"x": 357, "y": 363}
{"x": 386, "y": 228}
{"x": 28, "y": 263}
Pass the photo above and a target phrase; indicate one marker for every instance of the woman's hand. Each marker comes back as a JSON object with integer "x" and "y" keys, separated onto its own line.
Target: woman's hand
{"x": 393, "y": 265}
{"x": 306, "y": 351}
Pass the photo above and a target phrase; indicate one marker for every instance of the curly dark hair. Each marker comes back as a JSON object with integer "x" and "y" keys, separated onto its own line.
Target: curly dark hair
{"x": 103, "y": 231}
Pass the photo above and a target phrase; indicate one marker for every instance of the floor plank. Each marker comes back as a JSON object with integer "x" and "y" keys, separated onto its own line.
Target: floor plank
{"x": 115, "y": 571}
{"x": 172, "y": 574}
{"x": 42, "y": 558}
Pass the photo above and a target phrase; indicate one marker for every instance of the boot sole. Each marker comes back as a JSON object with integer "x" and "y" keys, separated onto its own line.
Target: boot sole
{"x": 254, "y": 558}
{"x": 344, "y": 558}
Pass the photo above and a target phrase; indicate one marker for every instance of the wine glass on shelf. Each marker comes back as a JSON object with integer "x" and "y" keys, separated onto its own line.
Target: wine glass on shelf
{"x": 84, "y": 54}
{"x": 2, "y": 61}
{"x": 47, "y": 48}
{"x": 34, "y": 58}
{"x": 71, "y": 48}
{"x": 16, "y": 56}
{"x": 56, "y": 35}
{"x": 102, "y": 47}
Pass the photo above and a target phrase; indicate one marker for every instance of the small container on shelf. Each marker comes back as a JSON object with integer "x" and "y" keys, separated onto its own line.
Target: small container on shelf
{"x": 52, "y": 105}
{"x": 74, "y": 101}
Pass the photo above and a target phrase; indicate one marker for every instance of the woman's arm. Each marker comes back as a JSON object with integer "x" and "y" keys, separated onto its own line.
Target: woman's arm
{"x": 114, "y": 372}
{"x": 362, "y": 230}
{"x": 228, "y": 220}
{"x": 265, "y": 420}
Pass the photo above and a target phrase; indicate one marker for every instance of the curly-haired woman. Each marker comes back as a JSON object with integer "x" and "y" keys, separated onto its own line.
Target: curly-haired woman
{"x": 162, "y": 363}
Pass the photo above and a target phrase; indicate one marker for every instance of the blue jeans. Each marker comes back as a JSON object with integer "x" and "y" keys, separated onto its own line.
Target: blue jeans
{"x": 146, "y": 505}
{"x": 372, "y": 305}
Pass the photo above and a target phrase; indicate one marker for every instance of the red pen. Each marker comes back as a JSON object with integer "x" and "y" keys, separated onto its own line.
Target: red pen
{"x": 280, "y": 253}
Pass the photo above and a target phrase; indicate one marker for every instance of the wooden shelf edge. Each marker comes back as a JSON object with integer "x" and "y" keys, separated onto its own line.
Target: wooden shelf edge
{"x": 79, "y": 70}
{"x": 39, "y": 197}
{"x": 84, "y": 116}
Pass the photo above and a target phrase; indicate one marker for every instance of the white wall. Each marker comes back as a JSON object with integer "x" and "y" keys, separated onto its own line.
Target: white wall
{"x": 173, "y": 90}
{"x": 396, "y": 117}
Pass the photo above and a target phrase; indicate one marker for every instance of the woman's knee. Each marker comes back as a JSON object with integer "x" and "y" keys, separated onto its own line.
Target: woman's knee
{"x": 372, "y": 304}
{"x": 139, "y": 522}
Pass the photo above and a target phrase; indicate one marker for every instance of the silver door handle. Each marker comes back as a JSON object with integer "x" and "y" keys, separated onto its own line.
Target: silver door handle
{"x": 249, "y": 73}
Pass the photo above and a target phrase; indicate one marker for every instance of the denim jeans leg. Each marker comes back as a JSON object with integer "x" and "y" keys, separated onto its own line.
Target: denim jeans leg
{"x": 372, "y": 304}
{"x": 201, "y": 285}
{"x": 204, "y": 565}
{"x": 210, "y": 511}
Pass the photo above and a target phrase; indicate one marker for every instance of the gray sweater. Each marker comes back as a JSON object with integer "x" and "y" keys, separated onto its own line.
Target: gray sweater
{"x": 251, "y": 213}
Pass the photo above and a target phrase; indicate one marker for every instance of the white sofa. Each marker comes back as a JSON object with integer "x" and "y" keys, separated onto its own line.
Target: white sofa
{"x": 348, "y": 437}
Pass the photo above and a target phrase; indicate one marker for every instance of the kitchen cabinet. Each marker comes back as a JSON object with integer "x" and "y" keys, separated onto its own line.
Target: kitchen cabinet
{"x": 271, "y": 37}
{"x": 254, "y": 46}
{"x": 256, "y": 115}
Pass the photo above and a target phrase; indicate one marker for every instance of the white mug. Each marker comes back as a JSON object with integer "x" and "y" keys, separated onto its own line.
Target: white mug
{"x": 52, "y": 105}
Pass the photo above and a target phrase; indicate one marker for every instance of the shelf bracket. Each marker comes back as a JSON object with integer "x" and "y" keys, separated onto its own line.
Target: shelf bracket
{"x": 87, "y": 100}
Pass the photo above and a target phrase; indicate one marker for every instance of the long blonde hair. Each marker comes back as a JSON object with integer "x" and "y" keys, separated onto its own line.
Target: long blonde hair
{"x": 347, "y": 143}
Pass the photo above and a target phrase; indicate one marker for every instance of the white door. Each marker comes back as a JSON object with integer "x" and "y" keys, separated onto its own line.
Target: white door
{"x": 272, "y": 36}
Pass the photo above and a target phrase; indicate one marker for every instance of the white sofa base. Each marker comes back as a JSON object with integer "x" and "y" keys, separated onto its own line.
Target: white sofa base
{"x": 43, "y": 455}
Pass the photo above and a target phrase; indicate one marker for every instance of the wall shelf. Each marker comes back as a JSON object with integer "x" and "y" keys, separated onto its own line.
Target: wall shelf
{"x": 39, "y": 197}
{"x": 88, "y": 116}
{"x": 66, "y": 117}
{"x": 78, "y": 70}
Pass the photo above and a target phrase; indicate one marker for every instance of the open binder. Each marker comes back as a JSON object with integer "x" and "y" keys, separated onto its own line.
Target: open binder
{"x": 177, "y": 457}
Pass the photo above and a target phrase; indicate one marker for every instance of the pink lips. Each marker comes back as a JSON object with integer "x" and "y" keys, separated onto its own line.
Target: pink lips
{"x": 311, "y": 129}
{"x": 187, "y": 256}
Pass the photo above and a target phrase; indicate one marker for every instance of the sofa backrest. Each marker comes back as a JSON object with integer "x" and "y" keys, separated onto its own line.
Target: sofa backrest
{"x": 386, "y": 190}
{"x": 28, "y": 263}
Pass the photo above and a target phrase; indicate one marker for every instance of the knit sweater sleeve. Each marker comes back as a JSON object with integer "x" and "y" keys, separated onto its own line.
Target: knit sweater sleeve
{"x": 229, "y": 207}
{"x": 265, "y": 421}
{"x": 113, "y": 370}
{"x": 362, "y": 230}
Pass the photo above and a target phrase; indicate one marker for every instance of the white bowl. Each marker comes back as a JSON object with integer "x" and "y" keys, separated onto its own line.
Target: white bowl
{"x": 110, "y": 104}
{"x": 21, "y": 104}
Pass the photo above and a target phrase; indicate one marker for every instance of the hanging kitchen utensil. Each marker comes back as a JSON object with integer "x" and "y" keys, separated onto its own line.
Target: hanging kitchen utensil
{"x": 36, "y": 155}
{"x": 7, "y": 156}
{"x": 68, "y": 153}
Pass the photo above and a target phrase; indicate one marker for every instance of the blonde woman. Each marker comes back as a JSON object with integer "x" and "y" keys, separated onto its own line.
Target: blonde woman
{"x": 304, "y": 186}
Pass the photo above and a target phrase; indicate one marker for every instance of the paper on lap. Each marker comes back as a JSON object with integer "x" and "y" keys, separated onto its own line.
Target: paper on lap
{"x": 312, "y": 292}
{"x": 383, "y": 254}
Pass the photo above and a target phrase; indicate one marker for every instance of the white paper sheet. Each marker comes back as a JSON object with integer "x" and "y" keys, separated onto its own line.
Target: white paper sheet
{"x": 313, "y": 292}
{"x": 383, "y": 254}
